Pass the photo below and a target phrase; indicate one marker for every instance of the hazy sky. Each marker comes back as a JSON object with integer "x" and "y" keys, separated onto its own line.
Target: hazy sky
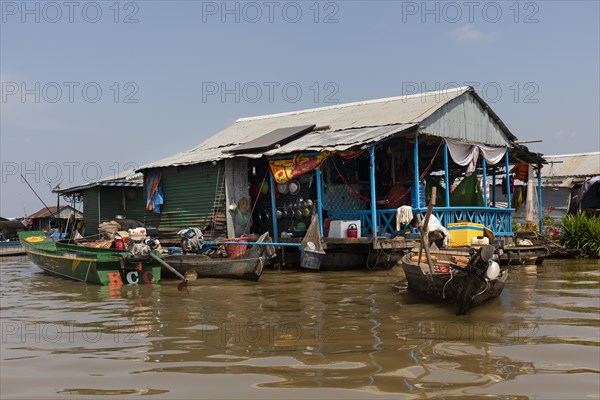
{"x": 90, "y": 88}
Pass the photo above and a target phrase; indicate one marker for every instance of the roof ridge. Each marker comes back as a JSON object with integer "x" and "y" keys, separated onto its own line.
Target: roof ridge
{"x": 591, "y": 153}
{"x": 356, "y": 103}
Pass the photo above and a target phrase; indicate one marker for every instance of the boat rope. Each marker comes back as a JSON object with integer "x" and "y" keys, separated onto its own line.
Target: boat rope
{"x": 88, "y": 271}
{"x": 447, "y": 282}
{"x": 487, "y": 285}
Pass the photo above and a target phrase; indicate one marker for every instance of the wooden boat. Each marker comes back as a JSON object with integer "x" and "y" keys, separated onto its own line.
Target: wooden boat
{"x": 248, "y": 265}
{"x": 88, "y": 264}
{"x": 447, "y": 281}
{"x": 11, "y": 248}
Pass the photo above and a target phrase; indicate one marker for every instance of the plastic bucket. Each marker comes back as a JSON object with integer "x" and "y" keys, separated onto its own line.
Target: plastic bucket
{"x": 235, "y": 250}
{"x": 311, "y": 259}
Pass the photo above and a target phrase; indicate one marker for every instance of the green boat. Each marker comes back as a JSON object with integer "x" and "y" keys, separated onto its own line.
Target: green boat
{"x": 87, "y": 264}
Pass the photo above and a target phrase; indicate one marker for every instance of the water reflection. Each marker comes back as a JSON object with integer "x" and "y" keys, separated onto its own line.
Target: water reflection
{"x": 292, "y": 331}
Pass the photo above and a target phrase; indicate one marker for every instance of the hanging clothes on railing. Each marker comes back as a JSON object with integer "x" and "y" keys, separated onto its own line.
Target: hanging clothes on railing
{"x": 468, "y": 153}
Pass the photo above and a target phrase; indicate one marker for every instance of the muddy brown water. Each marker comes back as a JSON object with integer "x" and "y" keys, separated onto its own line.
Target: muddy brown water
{"x": 350, "y": 335}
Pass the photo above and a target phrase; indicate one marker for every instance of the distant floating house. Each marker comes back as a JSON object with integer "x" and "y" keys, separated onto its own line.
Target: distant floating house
{"x": 355, "y": 162}
{"x": 53, "y": 217}
{"x": 106, "y": 198}
{"x": 571, "y": 183}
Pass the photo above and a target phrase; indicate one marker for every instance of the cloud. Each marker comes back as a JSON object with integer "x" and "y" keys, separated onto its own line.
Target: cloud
{"x": 565, "y": 135}
{"x": 468, "y": 33}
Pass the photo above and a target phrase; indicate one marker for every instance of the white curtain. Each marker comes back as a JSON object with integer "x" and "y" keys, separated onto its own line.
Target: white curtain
{"x": 467, "y": 153}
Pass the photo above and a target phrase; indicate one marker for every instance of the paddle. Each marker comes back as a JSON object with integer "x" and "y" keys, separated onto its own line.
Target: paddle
{"x": 190, "y": 275}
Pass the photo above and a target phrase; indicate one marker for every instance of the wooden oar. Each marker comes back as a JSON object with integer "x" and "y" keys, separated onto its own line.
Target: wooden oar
{"x": 190, "y": 275}
{"x": 425, "y": 231}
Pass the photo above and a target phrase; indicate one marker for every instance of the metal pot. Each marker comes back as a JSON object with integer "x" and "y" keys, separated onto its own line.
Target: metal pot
{"x": 298, "y": 214}
{"x": 278, "y": 214}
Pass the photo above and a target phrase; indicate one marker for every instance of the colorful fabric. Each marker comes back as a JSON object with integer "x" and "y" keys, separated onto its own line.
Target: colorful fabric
{"x": 521, "y": 171}
{"x": 154, "y": 191}
{"x": 467, "y": 193}
{"x": 285, "y": 170}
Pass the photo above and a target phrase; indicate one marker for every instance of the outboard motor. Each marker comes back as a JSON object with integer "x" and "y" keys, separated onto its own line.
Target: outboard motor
{"x": 483, "y": 266}
{"x": 138, "y": 248}
{"x": 191, "y": 239}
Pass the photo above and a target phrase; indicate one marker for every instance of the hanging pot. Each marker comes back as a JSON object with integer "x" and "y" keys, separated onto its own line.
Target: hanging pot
{"x": 287, "y": 213}
{"x": 298, "y": 214}
{"x": 306, "y": 212}
{"x": 266, "y": 216}
{"x": 294, "y": 187}
{"x": 278, "y": 214}
{"x": 283, "y": 188}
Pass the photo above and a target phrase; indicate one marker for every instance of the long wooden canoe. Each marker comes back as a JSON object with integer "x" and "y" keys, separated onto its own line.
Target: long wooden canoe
{"x": 248, "y": 265}
{"x": 88, "y": 264}
{"x": 448, "y": 281}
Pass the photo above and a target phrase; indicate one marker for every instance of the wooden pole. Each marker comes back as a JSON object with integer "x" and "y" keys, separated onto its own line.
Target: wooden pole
{"x": 425, "y": 231}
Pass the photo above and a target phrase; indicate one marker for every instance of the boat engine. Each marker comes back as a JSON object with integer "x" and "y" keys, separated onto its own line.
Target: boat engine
{"x": 141, "y": 245}
{"x": 191, "y": 239}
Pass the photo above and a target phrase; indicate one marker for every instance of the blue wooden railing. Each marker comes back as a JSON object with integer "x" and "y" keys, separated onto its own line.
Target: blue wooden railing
{"x": 499, "y": 220}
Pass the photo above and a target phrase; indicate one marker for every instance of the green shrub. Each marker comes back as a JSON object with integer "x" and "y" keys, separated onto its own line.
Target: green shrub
{"x": 582, "y": 232}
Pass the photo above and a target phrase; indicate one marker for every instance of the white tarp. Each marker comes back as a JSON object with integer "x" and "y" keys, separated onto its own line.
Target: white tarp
{"x": 467, "y": 153}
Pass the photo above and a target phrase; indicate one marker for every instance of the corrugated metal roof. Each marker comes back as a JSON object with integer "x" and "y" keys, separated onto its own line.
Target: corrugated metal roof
{"x": 562, "y": 169}
{"x": 128, "y": 178}
{"x": 402, "y": 111}
{"x": 572, "y": 165}
{"x": 339, "y": 140}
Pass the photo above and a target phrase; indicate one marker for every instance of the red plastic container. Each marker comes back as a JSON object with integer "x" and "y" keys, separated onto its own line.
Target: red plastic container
{"x": 235, "y": 250}
{"x": 352, "y": 231}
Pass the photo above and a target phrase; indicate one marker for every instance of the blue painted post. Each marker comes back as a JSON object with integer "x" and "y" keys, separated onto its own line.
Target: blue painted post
{"x": 446, "y": 175}
{"x": 416, "y": 161}
{"x": 539, "y": 172}
{"x": 319, "y": 199}
{"x": 273, "y": 208}
{"x": 494, "y": 187}
{"x": 373, "y": 194}
{"x": 507, "y": 178}
{"x": 484, "y": 167}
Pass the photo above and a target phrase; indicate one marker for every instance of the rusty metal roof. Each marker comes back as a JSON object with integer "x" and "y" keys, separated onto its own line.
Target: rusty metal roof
{"x": 64, "y": 212}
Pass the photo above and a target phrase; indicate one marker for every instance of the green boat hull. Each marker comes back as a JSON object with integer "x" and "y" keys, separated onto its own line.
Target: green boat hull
{"x": 86, "y": 264}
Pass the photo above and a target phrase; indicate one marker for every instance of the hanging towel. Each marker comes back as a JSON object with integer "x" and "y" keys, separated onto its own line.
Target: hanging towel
{"x": 404, "y": 215}
{"x": 154, "y": 191}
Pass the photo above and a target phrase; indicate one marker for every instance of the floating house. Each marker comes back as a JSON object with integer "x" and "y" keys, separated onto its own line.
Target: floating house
{"x": 571, "y": 183}
{"x": 53, "y": 217}
{"x": 356, "y": 163}
{"x": 106, "y": 198}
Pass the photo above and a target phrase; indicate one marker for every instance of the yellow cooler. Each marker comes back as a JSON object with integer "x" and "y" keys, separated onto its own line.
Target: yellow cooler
{"x": 461, "y": 233}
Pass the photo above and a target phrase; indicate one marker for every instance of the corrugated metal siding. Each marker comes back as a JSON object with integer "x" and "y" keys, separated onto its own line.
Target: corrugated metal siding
{"x": 111, "y": 205}
{"x": 90, "y": 211}
{"x": 193, "y": 196}
{"x": 465, "y": 119}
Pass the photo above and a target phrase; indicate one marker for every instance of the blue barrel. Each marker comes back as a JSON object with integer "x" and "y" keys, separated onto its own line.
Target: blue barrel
{"x": 413, "y": 195}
